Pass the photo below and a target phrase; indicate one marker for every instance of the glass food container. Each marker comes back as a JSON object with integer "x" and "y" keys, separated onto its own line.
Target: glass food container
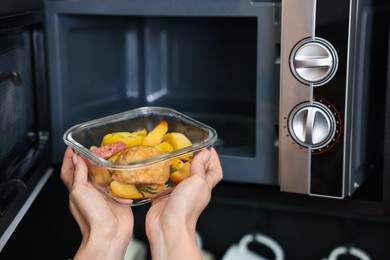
{"x": 135, "y": 173}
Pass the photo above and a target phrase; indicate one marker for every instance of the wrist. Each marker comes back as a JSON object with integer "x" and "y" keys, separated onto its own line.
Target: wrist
{"x": 174, "y": 241}
{"x": 102, "y": 245}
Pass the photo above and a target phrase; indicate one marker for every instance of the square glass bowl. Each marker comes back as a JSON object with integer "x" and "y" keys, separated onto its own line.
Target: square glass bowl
{"x": 116, "y": 179}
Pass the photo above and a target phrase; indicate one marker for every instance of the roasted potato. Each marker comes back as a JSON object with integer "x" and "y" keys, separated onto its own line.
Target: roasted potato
{"x": 128, "y": 138}
{"x": 164, "y": 147}
{"x": 156, "y": 136}
{"x": 179, "y": 141}
{"x": 134, "y": 191}
{"x": 181, "y": 173}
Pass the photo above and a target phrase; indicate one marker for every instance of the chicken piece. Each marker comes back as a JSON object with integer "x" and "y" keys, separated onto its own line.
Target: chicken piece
{"x": 153, "y": 174}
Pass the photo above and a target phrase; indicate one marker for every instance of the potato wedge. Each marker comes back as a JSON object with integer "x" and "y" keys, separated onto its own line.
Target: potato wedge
{"x": 99, "y": 175}
{"x": 182, "y": 173}
{"x": 129, "y": 138}
{"x": 156, "y": 136}
{"x": 113, "y": 158}
{"x": 164, "y": 147}
{"x": 179, "y": 141}
{"x": 176, "y": 164}
{"x": 134, "y": 191}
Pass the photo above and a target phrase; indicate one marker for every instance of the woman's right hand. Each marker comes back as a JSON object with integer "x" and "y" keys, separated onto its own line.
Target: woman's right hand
{"x": 105, "y": 225}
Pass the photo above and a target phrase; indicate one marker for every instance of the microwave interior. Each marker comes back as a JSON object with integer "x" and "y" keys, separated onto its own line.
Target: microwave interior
{"x": 222, "y": 70}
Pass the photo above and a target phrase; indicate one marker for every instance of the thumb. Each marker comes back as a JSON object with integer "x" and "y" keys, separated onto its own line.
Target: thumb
{"x": 200, "y": 161}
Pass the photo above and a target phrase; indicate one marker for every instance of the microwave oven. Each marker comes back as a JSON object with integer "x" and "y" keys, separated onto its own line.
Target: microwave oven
{"x": 295, "y": 89}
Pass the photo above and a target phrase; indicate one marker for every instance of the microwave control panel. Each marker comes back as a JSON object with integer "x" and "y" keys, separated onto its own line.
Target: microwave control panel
{"x": 313, "y": 92}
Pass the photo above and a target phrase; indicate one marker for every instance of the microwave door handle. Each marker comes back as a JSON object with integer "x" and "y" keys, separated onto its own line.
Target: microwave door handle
{"x": 13, "y": 76}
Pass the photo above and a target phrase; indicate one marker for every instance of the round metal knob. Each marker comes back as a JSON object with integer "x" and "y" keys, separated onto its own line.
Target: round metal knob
{"x": 314, "y": 61}
{"x": 312, "y": 125}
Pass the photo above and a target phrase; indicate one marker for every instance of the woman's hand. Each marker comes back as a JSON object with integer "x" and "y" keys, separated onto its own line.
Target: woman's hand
{"x": 171, "y": 221}
{"x": 105, "y": 225}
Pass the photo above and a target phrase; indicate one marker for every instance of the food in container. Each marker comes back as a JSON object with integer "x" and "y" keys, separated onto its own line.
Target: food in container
{"x": 141, "y": 154}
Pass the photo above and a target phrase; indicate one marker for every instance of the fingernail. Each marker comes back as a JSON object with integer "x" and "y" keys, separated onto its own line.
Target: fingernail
{"x": 206, "y": 155}
{"x": 74, "y": 159}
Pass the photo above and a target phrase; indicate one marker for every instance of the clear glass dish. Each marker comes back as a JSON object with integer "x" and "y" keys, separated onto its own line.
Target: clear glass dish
{"x": 103, "y": 173}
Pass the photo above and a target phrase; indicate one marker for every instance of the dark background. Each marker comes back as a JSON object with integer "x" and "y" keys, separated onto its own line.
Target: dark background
{"x": 305, "y": 230}
{"x": 306, "y": 227}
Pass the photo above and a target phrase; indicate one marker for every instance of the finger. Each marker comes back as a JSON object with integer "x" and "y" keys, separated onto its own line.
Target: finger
{"x": 67, "y": 168}
{"x": 214, "y": 172}
{"x": 81, "y": 170}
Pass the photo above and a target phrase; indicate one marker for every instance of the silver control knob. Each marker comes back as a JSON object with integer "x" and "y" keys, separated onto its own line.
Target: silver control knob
{"x": 314, "y": 61}
{"x": 312, "y": 125}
